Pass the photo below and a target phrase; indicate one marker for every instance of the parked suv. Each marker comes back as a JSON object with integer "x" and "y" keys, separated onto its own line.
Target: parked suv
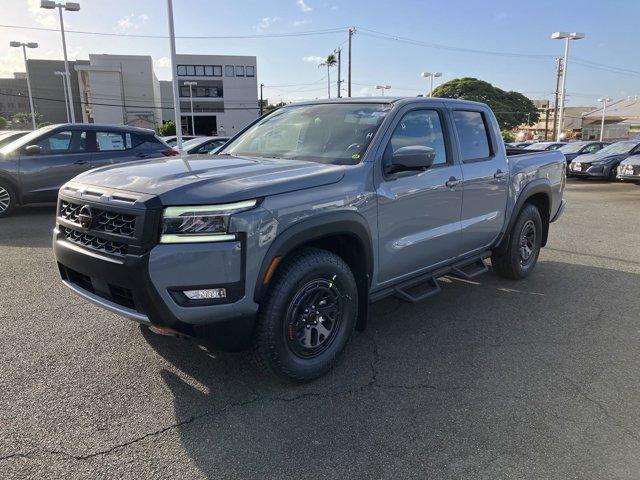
{"x": 34, "y": 167}
{"x": 280, "y": 242}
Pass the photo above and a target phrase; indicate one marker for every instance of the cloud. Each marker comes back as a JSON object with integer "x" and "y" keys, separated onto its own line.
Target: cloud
{"x": 300, "y": 23}
{"x": 162, "y": 62}
{"x": 303, "y": 6}
{"x": 132, "y": 21}
{"x": 366, "y": 92}
{"x": 44, "y": 17}
{"x": 265, "y": 23}
{"x": 499, "y": 16}
{"x": 11, "y": 62}
{"x": 313, "y": 59}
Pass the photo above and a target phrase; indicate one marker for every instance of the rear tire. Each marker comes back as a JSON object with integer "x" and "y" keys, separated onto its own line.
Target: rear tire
{"x": 307, "y": 317}
{"x": 8, "y": 199}
{"x": 518, "y": 257}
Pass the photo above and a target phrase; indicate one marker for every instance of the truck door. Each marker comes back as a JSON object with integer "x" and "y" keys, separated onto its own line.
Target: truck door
{"x": 418, "y": 211}
{"x": 485, "y": 178}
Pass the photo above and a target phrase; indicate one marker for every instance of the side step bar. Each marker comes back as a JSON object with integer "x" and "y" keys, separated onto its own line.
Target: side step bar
{"x": 426, "y": 285}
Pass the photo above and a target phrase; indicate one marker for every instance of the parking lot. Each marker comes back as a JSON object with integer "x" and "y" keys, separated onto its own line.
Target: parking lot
{"x": 490, "y": 379}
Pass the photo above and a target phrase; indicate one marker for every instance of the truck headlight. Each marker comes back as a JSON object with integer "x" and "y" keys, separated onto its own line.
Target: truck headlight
{"x": 202, "y": 223}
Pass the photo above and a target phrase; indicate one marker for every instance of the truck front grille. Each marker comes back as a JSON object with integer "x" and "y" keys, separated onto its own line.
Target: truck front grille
{"x": 109, "y": 222}
{"x": 94, "y": 243}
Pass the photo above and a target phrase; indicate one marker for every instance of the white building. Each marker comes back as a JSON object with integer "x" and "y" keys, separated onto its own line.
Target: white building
{"x": 225, "y": 94}
{"x": 120, "y": 89}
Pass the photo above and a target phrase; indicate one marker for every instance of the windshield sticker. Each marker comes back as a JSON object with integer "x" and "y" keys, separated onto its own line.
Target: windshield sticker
{"x": 355, "y": 156}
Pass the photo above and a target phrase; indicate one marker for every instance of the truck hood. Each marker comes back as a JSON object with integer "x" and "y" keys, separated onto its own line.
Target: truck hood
{"x": 200, "y": 179}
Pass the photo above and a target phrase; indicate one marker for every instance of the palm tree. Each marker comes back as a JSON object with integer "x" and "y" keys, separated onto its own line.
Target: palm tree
{"x": 330, "y": 61}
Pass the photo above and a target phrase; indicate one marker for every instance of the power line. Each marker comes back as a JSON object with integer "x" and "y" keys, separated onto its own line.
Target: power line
{"x": 328, "y": 31}
{"x": 118, "y": 104}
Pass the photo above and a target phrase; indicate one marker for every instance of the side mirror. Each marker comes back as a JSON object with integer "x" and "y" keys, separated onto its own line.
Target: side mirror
{"x": 33, "y": 149}
{"x": 414, "y": 157}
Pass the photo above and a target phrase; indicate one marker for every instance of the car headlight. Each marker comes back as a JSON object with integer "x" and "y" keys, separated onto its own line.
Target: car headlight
{"x": 202, "y": 223}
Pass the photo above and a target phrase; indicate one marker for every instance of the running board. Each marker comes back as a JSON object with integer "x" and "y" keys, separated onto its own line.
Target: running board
{"x": 470, "y": 270}
{"x": 425, "y": 285}
{"x": 417, "y": 290}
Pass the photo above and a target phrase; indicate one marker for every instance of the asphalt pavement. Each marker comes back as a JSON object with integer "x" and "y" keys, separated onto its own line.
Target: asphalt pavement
{"x": 491, "y": 379}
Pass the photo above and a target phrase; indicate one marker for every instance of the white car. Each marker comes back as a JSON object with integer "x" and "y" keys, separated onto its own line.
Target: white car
{"x": 629, "y": 169}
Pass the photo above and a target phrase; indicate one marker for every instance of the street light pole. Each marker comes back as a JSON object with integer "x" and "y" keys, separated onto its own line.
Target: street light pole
{"x": 64, "y": 89}
{"x": 176, "y": 99}
{"x": 261, "y": 100}
{"x": 193, "y": 125}
{"x": 383, "y": 88}
{"x": 26, "y": 68}
{"x": 71, "y": 7}
{"x": 604, "y": 109}
{"x": 431, "y": 76}
{"x": 567, "y": 38}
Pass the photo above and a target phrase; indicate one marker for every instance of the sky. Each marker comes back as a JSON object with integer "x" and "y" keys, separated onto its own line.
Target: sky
{"x": 448, "y": 36}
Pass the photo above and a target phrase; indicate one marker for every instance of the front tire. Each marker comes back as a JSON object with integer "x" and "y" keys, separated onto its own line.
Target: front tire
{"x": 8, "y": 199}
{"x": 518, "y": 257}
{"x": 307, "y": 317}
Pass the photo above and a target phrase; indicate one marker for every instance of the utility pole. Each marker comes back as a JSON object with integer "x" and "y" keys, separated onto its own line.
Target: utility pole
{"x": 546, "y": 123}
{"x": 339, "y": 52}
{"x": 567, "y": 37}
{"x": 174, "y": 78}
{"x": 352, "y": 30}
{"x": 193, "y": 124}
{"x": 556, "y": 93}
{"x": 261, "y": 100}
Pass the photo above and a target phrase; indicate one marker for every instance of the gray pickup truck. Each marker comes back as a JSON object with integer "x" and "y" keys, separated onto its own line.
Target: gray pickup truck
{"x": 280, "y": 243}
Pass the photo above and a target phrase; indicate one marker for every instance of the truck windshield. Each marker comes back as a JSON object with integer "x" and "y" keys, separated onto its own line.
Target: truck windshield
{"x": 328, "y": 133}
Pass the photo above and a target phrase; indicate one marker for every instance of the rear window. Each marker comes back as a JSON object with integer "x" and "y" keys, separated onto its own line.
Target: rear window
{"x": 472, "y": 134}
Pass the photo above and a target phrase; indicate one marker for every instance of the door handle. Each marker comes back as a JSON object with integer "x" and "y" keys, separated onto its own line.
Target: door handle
{"x": 142, "y": 155}
{"x": 499, "y": 174}
{"x": 452, "y": 182}
{"x": 81, "y": 162}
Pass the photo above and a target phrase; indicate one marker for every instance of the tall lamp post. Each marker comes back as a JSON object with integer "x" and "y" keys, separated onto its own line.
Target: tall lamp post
{"x": 26, "y": 68}
{"x": 174, "y": 79}
{"x": 70, "y": 7}
{"x": 431, "y": 76}
{"x": 604, "y": 102}
{"x": 64, "y": 89}
{"x": 383, "y": 88}
{"x": 191, "y": 85}
{"x": 566, "y": 36}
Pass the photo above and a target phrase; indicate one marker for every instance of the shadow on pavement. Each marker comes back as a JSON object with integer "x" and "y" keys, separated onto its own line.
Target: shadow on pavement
{"x": 29, "y": 226}
{"x": 489, "y": 379}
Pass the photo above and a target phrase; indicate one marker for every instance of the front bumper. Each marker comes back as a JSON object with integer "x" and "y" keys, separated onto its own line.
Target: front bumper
{"x": 593, "y": 171}
{"x": 146, "y": 288}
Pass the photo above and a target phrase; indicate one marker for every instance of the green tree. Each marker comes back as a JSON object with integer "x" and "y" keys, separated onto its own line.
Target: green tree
{"x": 511, "y": 108}
{"x": 508, "y": 136}
{"x": 329, "y": 62}
{"x": 272, "y": 106}
{"x": 3, "y": 122}
{"x": 168, "y": 128}
{"x": 23, "y": 120}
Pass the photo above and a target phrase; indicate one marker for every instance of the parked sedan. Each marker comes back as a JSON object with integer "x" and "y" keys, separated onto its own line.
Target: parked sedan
{"x": 9, "y": 136}
{"x": 604, "y": 164}
{"x": 204, "y": 144}
{"x": 629, "y": 169}
{"x": 172, "y": 140}
{"x": 541, "y": 146}
{"x": 574, "y": 149}
{"x": 34, "y": 167}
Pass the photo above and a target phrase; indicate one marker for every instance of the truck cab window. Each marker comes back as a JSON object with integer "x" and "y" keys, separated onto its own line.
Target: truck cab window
{"x": 418, "y": 128}
{"x": 472, "y": 134}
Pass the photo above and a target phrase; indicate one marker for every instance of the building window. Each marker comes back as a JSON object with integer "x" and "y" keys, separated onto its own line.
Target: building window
{"x": 201, "y": 92}
{"x": 250, "y": 71}
{"x": 229, "y": 71}
{"x": 191, "y": 70}
{"x": 217, "y": 70}
{"x": 184, "y": 91}
{"x": 182, "y": 70}
{"x": 208, "y": 70}
{"x": 200, "y": 70}
{"x": 239, "y": 71}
